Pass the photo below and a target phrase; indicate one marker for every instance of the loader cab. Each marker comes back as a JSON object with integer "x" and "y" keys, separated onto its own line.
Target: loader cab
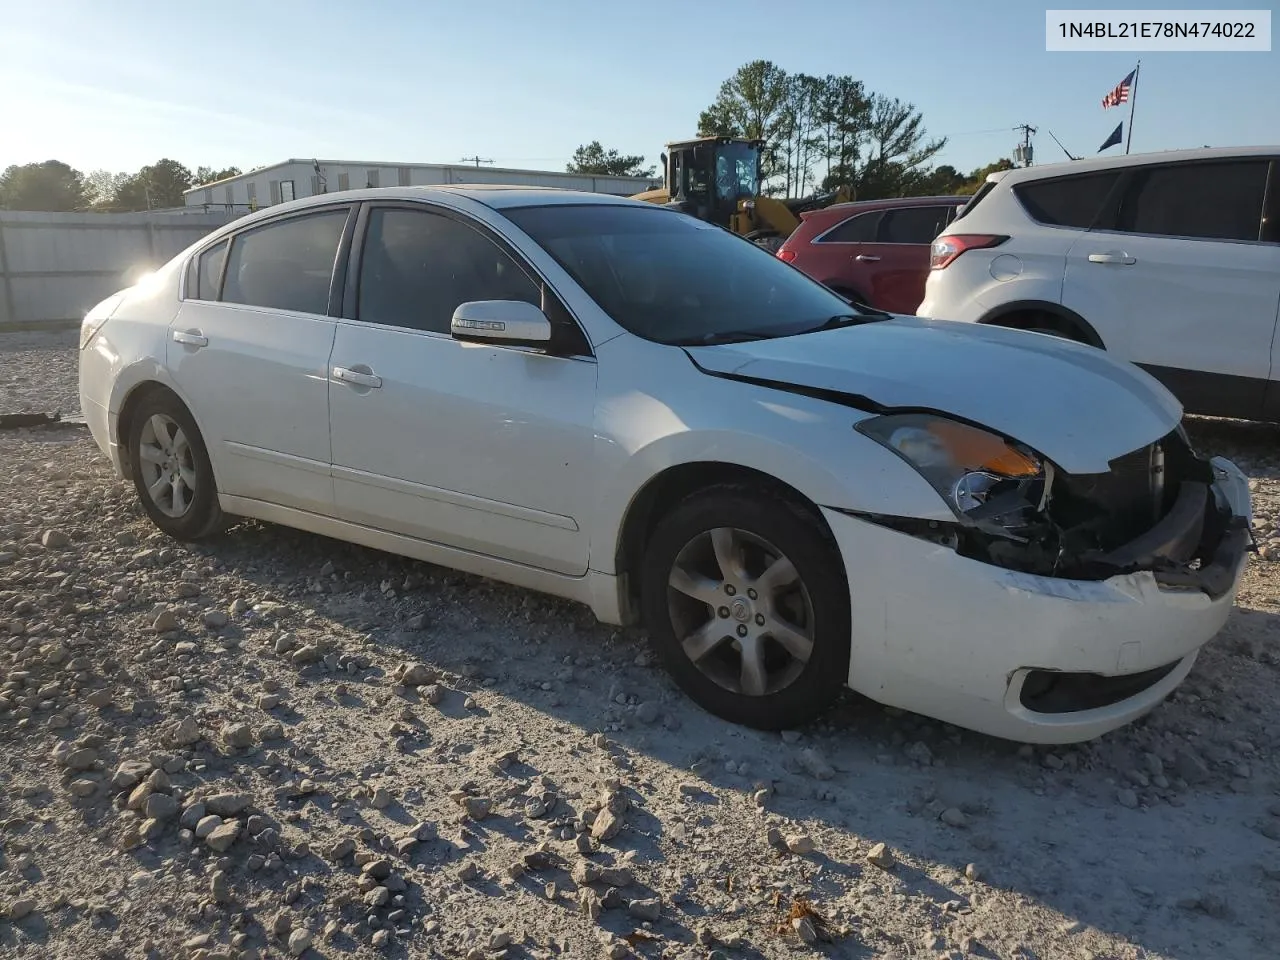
{"x": 707, "y": 177}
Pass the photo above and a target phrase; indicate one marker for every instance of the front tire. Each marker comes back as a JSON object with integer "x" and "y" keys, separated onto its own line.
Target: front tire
{"x": 745, "y": 600}
{"x": 171, "y": 469}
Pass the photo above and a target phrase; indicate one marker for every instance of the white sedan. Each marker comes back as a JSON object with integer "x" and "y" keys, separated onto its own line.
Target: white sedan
{"x": 613, "y": 402}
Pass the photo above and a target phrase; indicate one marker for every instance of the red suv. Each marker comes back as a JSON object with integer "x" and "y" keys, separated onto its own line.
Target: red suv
{"x": 874, "y": 252}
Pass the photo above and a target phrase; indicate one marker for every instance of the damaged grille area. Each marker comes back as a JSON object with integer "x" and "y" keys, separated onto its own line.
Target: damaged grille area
{"x": 1153, "y": 510}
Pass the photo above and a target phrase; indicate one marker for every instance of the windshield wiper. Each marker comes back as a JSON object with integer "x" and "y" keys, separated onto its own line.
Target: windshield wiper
{"x": 850, "y": 320}
{"x": 721, "y": 336}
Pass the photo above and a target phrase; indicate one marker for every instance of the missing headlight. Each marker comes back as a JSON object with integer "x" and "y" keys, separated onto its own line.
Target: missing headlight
{"x": 1079, "y": 526}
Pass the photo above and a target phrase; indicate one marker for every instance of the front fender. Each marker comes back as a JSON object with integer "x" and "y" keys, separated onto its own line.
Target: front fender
{"x": 806, "y": 443}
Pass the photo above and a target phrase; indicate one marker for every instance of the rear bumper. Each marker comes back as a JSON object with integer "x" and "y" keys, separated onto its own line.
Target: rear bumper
{"x": 1024, "y": 657}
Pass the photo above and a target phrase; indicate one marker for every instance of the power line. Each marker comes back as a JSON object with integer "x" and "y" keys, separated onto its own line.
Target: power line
{"x": 477, "y": 160}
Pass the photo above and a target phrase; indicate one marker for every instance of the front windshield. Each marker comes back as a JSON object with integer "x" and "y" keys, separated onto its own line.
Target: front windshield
{"x": 668, "y": 277}
{"x": 736, "y": 171}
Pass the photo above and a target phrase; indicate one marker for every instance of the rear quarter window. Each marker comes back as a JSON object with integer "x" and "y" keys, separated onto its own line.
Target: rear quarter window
{"x": 1071, "y": 201}
{"x": 967, "y": 207}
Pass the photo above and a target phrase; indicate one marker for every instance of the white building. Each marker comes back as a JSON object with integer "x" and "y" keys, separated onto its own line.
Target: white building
{"x": 290, "y": 179}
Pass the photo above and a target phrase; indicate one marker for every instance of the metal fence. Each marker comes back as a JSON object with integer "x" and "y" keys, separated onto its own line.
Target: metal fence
{"x": 55, "y": 266}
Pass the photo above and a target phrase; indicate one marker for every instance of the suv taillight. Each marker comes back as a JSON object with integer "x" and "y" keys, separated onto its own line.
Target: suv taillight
{"x": 946, "y": 249}
{"x": 787, "y": 256}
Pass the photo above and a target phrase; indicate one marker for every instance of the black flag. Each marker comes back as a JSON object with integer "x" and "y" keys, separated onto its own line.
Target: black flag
{"x": 1114, "y": 138}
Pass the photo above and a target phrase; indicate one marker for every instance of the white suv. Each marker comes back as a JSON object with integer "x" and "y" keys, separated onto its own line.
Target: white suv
{"x": 1170, "y": 260}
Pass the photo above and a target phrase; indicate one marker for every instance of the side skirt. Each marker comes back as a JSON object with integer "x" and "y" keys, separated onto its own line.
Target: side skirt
{"x": 599, "y": 591}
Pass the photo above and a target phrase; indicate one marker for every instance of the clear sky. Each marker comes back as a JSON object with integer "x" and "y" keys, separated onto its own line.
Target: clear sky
{"x": 116, "y": 84}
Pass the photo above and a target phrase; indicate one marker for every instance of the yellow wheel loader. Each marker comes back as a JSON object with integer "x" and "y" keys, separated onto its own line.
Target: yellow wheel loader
{"x": 717, "y": 179}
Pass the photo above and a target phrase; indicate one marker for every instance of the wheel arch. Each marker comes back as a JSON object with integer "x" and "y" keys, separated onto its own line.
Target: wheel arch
{"x": 664, "y": 490}
{"x": 1066, "y": 317}
{"x": 129, "y": 404}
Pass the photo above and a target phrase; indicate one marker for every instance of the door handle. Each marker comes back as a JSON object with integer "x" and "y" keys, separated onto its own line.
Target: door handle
{"x": 357, "y": 378}
{"x": 190, "y": 338}
{"x": 866, "y": 258}
{"x": 1121, "y": 258}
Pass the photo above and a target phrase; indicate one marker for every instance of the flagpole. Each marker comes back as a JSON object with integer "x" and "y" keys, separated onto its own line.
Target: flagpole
{"x": 1133, "y": 102}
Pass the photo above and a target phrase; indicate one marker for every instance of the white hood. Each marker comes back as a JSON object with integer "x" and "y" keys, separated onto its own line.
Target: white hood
{"x": 1073, "y": 404}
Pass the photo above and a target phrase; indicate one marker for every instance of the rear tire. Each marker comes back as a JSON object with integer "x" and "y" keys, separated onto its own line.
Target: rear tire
{"x": 171, "y": 469}
{"x": 757, "y": 632}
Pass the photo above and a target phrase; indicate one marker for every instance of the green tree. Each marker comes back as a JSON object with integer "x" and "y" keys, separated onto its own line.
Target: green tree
{"x": 751, "y": 104}
{"x": 799, "y": 132}
{"x": 896, "y": 150}
{"x": 155, "y": 187}
{"x": 102, "y": 187}
{"x": 51, "y": 185}
{"x": 594, "y": 158}
{"x": 829, "y": 125}
{"x": 843, "y": 109}
{"x": 212, "y": 175}
{"x": 979, "y": 176}
{"x": 942, "y": 180}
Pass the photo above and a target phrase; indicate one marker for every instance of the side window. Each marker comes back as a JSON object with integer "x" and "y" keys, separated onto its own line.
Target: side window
{"x": 1067, "y": 201}
{"x": 286, "y": 265}
{"x": 1210, "y": 201}
{"x": 208, "y": 273}
{"x": 859, "y": 229}
{"x": 418, "y": 266}
{"x": 919, "y": 225}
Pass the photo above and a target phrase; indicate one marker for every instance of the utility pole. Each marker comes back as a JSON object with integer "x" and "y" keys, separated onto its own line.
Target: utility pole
{"x": 1022, "y": 153}
{"x": 477, "y": 160}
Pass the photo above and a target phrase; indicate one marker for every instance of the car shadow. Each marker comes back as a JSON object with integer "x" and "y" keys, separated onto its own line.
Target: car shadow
{"x": 939, "y": 797}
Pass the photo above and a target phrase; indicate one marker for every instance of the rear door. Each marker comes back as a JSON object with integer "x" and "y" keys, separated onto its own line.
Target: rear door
{"x": 897, "y": 264}
{"x": 1179, "y": 279}
{"x": 832, "y": 257}
{"x": 249, "y": 350}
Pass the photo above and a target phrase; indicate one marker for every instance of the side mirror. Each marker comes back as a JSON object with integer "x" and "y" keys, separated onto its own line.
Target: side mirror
{"x": 500, "y": 321}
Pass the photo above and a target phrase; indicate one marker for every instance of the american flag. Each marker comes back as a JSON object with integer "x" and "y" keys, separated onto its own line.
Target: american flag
{"x": 1120, "y": 94}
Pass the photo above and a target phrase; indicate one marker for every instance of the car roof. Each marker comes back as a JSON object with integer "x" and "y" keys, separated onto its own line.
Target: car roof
{"x": 1094, "y": 164}
{"x": 496, "y": 196}
{"x": 858, "y": 206}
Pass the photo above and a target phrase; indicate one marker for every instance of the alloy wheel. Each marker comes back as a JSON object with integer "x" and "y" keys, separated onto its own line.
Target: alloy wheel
{"x": 740, "y": 611}
{"x": 168, "y": 465}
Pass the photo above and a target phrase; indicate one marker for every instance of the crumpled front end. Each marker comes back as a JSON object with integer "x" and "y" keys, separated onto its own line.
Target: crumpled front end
{"x": 1054, "y": 610}
{"x": 1158, "y": 509}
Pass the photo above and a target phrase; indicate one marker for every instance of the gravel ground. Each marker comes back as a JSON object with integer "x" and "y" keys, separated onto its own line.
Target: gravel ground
{"x": 281, "y": 745}
{"x": 38, "y": 372}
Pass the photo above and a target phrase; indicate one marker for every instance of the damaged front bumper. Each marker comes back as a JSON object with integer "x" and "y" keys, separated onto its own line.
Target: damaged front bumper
{"x": 1036, "y": 658}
